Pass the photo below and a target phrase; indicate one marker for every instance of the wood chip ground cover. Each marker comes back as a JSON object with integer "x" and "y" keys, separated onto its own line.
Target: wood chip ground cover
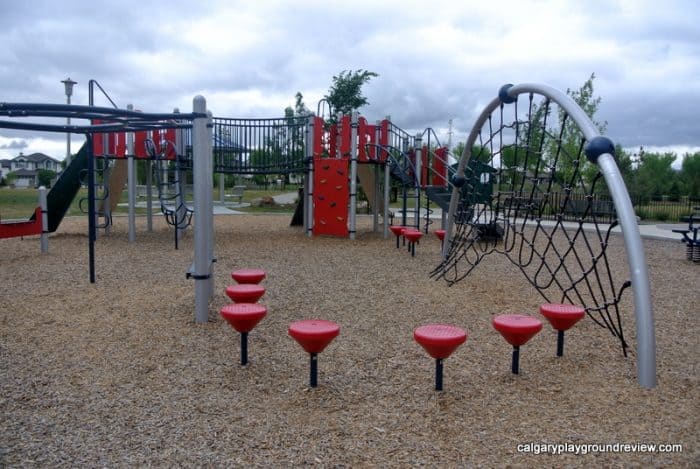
{"x": 117, "y": 373}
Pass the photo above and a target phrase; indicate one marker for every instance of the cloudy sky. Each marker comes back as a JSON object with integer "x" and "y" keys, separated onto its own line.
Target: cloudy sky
{"x": 437, "y": 60}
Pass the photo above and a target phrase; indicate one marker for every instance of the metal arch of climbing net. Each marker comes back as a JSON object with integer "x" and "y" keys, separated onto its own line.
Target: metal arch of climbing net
{"x": 529, "y": 162}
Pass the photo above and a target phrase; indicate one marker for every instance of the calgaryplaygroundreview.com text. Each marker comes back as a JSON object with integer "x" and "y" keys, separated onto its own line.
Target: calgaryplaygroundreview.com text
{"x": 588, "y": 448}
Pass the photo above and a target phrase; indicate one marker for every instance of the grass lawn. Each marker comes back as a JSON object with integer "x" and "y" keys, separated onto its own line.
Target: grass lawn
{"x": 20, "y": 203}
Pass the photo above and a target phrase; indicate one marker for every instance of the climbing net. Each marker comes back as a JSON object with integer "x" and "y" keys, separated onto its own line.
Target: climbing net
{"x": 529, "y": 192}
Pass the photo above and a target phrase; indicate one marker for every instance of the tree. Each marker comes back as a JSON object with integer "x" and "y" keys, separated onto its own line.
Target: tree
{"x": 45, "y": 176}
{"x": 655, "y": 175}
{"x": 572, "y": 137}
{"x": 690, "y": 175}
{"x": 345, "y": 95}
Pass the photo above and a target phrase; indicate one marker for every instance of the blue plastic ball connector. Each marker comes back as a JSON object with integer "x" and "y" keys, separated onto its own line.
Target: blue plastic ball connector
{"x": 503, "y": 94}
{"x": 598, "y": 146}
{"x": 458, "y": 181}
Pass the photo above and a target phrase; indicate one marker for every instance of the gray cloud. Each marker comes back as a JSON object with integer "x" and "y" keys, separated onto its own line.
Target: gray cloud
{"x": 14, "y": 145}
{"x": 437, "y": 60}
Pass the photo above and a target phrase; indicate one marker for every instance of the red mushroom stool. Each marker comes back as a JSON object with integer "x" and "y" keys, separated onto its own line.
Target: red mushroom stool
{"x": 441, "y": 236}
{"x": 413, "y": 236}
{"x": 398, "y": 231}
{"x": 243, "y": 317}
{"x": 314, "y": 335}
{"x": 517, "y": 329}
{"x": 248, "y": 275}
{"x": 439, "y": 340}
{"x": 245, "y": 292}
{"x": 562, "y": 317}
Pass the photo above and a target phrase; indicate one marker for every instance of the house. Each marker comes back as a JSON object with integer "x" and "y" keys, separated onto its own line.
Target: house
{"x": 26, "y": 168}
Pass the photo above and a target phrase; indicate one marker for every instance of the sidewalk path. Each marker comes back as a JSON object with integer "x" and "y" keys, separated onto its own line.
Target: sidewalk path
{"x": 662, "y": 231}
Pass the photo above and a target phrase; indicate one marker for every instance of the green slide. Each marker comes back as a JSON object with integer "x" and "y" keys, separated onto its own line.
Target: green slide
{"x": 61, "y": 195}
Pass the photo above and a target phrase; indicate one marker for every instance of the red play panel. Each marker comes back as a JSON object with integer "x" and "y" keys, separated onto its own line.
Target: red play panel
{"x": 248, "y": 275}
{"x": 439, "y": 340}
{"x": 331, "y": 196}
{"x": 562, "y": 316}
{"x": 517, "y": 329}
{"x": 243, "y": 316}
{"x": 314, "y": 334}
{"x": 245, "y": 292}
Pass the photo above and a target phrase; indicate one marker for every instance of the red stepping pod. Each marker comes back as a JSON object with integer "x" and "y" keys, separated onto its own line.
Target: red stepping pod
{"x": 314, "y": 335}
{"x": 441, "y": 236}
{"x": 439, "y": 340}
{"x": 248, "y": 275}
{"x": 517, "y": 329}
{"x": 398, "y": 231}
{"x": 562, "y": 317}
{"x": 243, "y": 317}
{"x": 413, "y": 236}
{"x": 245, "y": 292}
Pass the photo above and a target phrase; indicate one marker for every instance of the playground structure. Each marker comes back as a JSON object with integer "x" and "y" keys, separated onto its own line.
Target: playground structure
{"x": 545, "y": 146}
{"x": 111, "y": 121}
{"x": 494, "y": 196}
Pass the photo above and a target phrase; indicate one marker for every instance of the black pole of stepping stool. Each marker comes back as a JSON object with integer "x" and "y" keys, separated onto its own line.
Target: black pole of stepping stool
{"x": 438, "y": 374}
{"x": 244, "y": 348}
{"x": 313, "y": 376}
{"x": 516, "y": 359}
{"x": 560, "y": 343}
{"x": 397, "y": 241}
{"x": 413, "y": 249}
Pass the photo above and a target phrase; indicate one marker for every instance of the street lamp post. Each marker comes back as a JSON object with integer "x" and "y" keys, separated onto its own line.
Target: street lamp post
{"x": 69, "y": 92}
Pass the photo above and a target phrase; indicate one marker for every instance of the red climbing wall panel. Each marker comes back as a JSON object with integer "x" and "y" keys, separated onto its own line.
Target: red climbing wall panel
{"x": 440, "y": 167}
{"x": 331, "y": 196}
{"x": 319, "y": 136}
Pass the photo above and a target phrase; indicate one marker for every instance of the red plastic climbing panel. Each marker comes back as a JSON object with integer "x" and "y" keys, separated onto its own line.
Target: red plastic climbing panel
{"x": 440, "y": 167}
{"x": 331, "y": 196}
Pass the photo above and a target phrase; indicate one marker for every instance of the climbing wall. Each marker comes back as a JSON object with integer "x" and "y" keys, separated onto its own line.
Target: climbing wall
{"x": 331, "y": 196}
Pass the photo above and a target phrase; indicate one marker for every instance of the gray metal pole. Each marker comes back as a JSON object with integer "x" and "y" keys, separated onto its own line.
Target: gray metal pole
{"x": 180, "y": 200}
{"x": 200, "y": 167}
{"x": 309, "y": 183}
{"x": 107, "y": 202}
{"x": 44, "y": 220}
{"x": 149, "y": 195}
{"x": 222, "y": 192}
{"x": 419, "y": 170}
{"x": 644, "y": 314}
{"x": 353, "y": 175}
{"x": 387, "y": 195}
{"x": 131, "y": 181}
{"x": 210, "y": 198}
{"x": 375, "y": 202}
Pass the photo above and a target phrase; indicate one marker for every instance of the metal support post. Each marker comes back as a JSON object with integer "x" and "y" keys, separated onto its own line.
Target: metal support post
{"x": 131, "y": 181}
{"x": 353, "y": 175}
{"x": 201, "y": 167}
{"x": 44, "y": 220}
{"x": 311, "y": 132}
{"x": 418, "y": 176}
